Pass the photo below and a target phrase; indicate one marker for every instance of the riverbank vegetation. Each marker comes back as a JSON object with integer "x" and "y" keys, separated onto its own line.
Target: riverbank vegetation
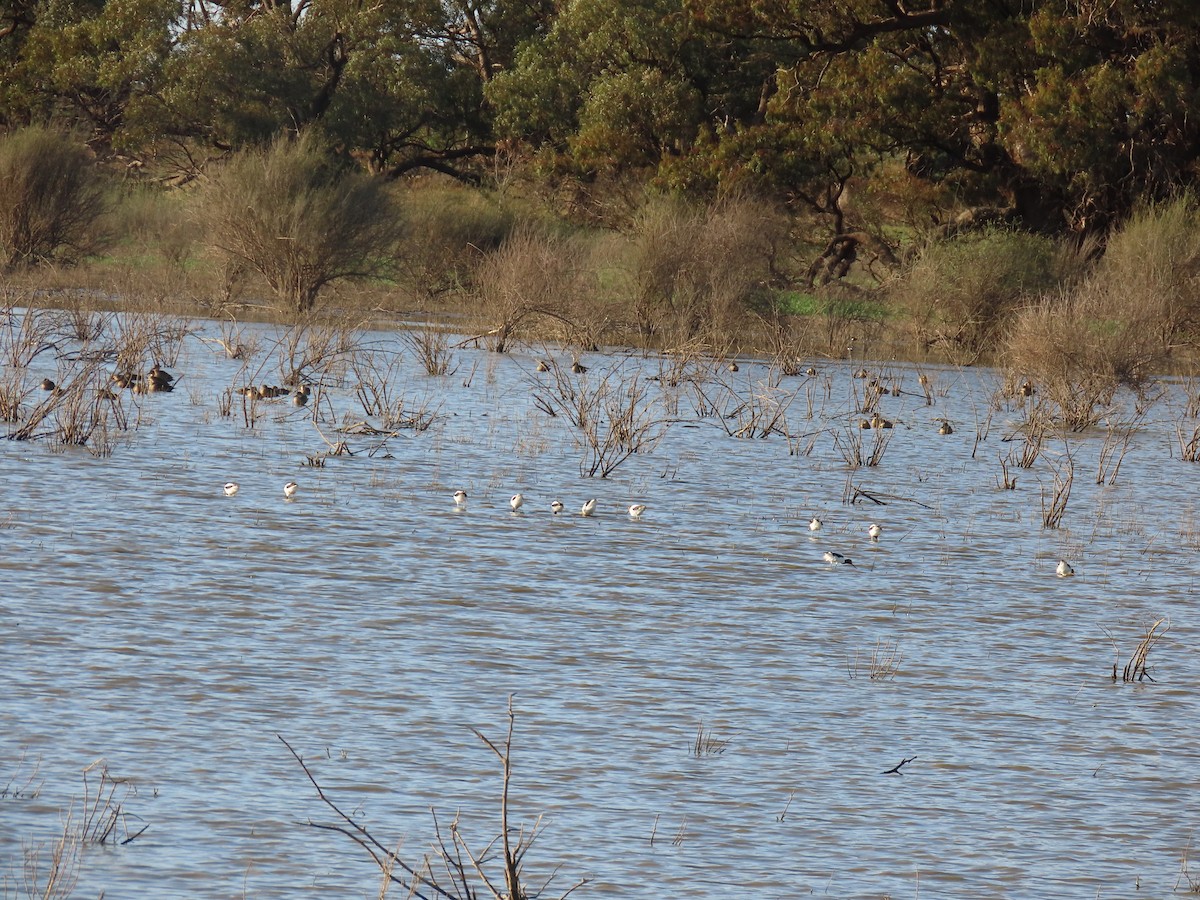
{"x": 939, "y": 182}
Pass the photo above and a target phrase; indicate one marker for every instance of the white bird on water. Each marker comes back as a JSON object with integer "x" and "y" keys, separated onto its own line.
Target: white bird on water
{"x": 588, "y": 508}
{"x": 874, "y": 531}
{"x": 557, "y": 506}
{"x": 460, "y": 498}
{"x": 814, "y": 524}
{"x": 516, "y": 501}
{"x": 636, "y": 510}
{"x": 837, "y": 559}
{"x": 1064, "y": 569}
{"x": 289, "y": 490}
{"x": 231, "y": 488}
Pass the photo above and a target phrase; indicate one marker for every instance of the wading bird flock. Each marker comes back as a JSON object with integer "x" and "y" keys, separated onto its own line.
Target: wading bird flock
{"x": 460, "y": 500}
{"x": 636, "y": 511}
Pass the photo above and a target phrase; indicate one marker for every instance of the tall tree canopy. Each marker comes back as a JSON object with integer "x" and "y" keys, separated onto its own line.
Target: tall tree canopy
{"x": 1061, "y": 112}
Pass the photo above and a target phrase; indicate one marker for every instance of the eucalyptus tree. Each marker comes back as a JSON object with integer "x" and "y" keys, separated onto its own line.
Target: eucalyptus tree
{"x": 1056, "y": 112}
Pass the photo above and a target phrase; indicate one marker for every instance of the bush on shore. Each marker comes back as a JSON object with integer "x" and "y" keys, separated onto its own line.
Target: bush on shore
{"x": 50, "y": 199}
{"x": 697, "y": 270}
{"x": 1120, "y": 325}
{"x": 291, "y": 214}
{"x": 959, "y": 293}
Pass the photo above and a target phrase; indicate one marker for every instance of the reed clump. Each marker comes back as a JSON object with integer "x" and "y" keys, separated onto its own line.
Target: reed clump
{"x": 1055, "y": 498}
{"x": 613, "y": 414}
{"x": 882, "y": 665}
{"x": 707, "y": 743}
{"x": 1136, "y": 669}
{"x": 454, "y": 867}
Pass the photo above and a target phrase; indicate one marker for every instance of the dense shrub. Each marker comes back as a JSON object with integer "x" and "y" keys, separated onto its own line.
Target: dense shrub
{"x": 50, "y": 198}
{"x": 449, "y": 228}
{"x": 290, "y": 213}
{"x": 696, "y": 269}
{"x": 1079, "y": 347}
{"x": 153, "y": 222}
{"x": 959, "y": 292}
{"x": 1119, "y": 325}
{"x": 534, "y": 275}
{"x": 1151, "y": 270}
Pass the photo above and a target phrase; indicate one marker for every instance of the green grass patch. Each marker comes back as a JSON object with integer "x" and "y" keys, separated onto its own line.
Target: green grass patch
{"x": 804, "y": 303}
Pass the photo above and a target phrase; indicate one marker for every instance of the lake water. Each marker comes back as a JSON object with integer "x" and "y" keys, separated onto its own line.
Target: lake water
{"x": 177, "y": 633}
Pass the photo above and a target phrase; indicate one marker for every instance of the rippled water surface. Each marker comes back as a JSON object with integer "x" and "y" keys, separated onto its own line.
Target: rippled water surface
{"x": 150, "y": 620}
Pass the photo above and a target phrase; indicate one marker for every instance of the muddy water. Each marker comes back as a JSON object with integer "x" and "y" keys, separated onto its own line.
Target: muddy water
{"x": 150, "y": 620}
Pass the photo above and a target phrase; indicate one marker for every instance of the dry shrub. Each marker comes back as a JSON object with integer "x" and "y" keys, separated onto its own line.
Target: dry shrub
{"x": 960, "y": 292}
{"x": 696, "y": 270}
{"x": 50, "y": 199}
{"x": 1151, "y": 270}
{"x": 533, "y": 276}
{"x": 1120, "y": 324}
{"x": 298, "y": 219}
{"x": 1080, "y": 347}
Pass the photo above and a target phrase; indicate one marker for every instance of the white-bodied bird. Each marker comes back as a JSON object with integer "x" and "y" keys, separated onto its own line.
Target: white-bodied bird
{"x": 837, "y": 559}
{"x": 1064, "y": 569}
{"x": 814, "y": 524}
{"x": 289, "y": 490}
{"x": 874, "y": 531}
{"x": 516, "y": 501}
{"x": 588, "y": 508}
{"x": 460, "y": 498}
{"x": 231, "y": 488}
{"x": 636, "y": 510}
{"x": 557, "y": 506}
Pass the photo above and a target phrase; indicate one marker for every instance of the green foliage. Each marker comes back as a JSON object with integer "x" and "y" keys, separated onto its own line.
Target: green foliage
{"x": 50, "y": 198}
{"x": 795, "y": 303}
{"x": 289, "y": 213}
{"x": 88, "y": 63}
{"x": 449, "y": 228}
{"x": 1063, "y": 115}
{"x": 1110, "y": 112}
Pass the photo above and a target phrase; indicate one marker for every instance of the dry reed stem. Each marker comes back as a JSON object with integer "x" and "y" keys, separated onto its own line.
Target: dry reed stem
{"x": 104, "y": 818}
{"x": 707, "y": 743}
{"x": 612, "y": 413}
{"x": 1006, "y": 482}
{"x": 851, "y": 449}
{"x": 432, "y": 348}
{"x": 1112, "y": 453}
{"x": 460, "y": 866}
{"x": 1136, "y": 668}
{"x": 61, "y": 876}
{"x": 883, "y": 664}
{"x": 21, "y": 784}
{"x": 1189, "y": 444}
{"x": 1056, "y": 508}
{"x": 755, "y": 410}
{"x": 24, "y": 335}
{"x": 1185, "y": 875}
